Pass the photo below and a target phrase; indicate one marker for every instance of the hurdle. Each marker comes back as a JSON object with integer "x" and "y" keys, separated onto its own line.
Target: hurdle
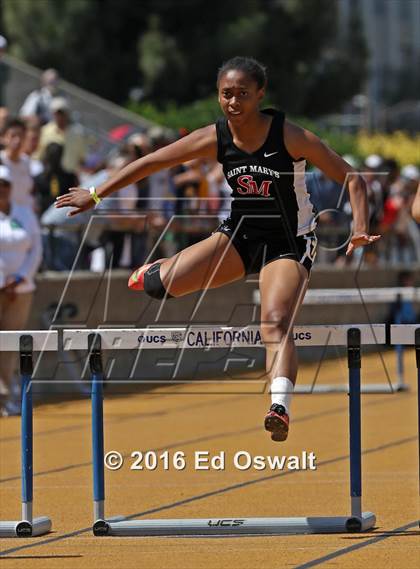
{"x": 26, "y": 343}
{"x": 355, "y": 296}
{"x": 409, "y": 335}
{"x": 351, "y": 336}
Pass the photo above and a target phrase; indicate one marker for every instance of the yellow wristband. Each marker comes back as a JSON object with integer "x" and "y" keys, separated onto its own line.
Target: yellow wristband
{"x": 94, "y": 195}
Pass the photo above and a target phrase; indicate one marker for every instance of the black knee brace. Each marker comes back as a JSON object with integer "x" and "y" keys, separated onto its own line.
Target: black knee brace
{"x": 152, "y": 283}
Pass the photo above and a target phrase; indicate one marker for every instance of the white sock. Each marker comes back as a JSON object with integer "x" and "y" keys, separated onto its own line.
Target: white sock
{"x": 281, "y": 392}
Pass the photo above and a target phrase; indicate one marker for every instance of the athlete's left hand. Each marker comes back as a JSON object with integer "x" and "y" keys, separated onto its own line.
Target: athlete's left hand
{"x": 360, "y": 240}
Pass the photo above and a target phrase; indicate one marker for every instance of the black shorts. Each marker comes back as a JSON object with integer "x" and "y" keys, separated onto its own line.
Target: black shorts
{"x": 257, "y": 249}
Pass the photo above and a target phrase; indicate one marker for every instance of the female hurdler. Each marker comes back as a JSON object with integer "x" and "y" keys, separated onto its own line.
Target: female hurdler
{"x": 270, "y": 227}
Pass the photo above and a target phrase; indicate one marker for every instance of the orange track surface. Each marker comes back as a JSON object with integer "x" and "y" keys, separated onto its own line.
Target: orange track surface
{"x": 211, "y": 417}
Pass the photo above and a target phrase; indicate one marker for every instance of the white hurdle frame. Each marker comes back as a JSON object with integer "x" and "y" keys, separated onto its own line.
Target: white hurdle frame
{"x": 352, "y": 336}
{"x": 27, "y": 342}
{"x": 355, "y": 296}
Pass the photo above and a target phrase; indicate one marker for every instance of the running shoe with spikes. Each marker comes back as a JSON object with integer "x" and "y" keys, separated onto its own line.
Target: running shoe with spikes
{"x": 136, "y": 281}
{"x": 277, "y": 422}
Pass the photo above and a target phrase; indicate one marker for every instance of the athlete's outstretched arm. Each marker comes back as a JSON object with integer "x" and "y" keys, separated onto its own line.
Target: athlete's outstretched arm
{"x": 201, "y": 143}
{"x": 301, "y": 143}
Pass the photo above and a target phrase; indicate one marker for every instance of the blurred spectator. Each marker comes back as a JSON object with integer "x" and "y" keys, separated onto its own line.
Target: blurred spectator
{"x": 113, "y": 225}
{"x": 403, "y": 311}
{"x": 160, "y": 186}
{"x": 214, "y": 177}
{"x": 391, "y": 194}
{"x": 4, "y": 71}
{"x": 392, "y": 173}
{"x": 38, "y": 102}
{"x": 64, "y": 245}
{"x": 118, "y": 237}
{"x": 61, "y": 131}
{"x": 159, "y": 182}
{"x": 220, "y": 190}
{"x": 18, "y": 164}
{"x": 186, "y": 179}
{"x": 325, "y": 193}
{"x": 333, "y": 213}
{"x": 138, "y": 145}
{"x": 400, "y": 241}
{"x": 412, "y": 174}
{"x": 374, "y": 177}
{"x": 30, "y": 146}
{"x": 160, "y": 206}
{"x": 53, "y": 181}
{"x": 197, "y": 189}
{"x": 20, "y": 257}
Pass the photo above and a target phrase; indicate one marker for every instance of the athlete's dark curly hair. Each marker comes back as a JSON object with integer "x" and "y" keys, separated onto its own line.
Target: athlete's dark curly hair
{"x": 248, "y": 65}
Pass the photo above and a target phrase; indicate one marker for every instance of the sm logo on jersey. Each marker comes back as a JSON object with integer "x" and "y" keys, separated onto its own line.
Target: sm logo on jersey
{"x": 247, "y": 185}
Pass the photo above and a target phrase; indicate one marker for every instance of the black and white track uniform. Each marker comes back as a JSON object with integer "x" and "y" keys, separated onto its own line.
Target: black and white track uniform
{"x": 271, "y": 215}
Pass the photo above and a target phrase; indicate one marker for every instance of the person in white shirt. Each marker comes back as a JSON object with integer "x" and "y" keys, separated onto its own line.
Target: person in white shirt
{"x": 62, "y": 131}
{"x": 17, "y": 163}
{"x": 20, "y": 257}
{"x": 30, "y": 146}
{"x": 38, "y": 102}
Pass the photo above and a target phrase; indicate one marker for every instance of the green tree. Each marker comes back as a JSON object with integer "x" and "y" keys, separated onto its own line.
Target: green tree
{"x": 91, "y": 42}
{"x": 160, "y": 60}
{"x": 310, "y": 70}
{"x": 173, "y": 48}
{"x": 340, "y": 70}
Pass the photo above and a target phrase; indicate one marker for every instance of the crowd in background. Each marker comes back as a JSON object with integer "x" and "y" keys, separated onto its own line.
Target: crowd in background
{"x": 46, "y": 153}
{"x": 391, "y": 193}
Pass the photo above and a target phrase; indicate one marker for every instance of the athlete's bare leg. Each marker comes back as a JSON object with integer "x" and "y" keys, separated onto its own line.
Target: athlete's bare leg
{"x": 283, "y": 284}
{"x": 210, "y": 263}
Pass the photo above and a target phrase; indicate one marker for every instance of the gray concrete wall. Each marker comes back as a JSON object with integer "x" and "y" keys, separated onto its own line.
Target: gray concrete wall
{"x": 91, "y": 300}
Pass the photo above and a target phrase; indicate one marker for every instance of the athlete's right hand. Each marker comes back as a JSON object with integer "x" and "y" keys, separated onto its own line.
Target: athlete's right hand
{"x": 78, "y": 198}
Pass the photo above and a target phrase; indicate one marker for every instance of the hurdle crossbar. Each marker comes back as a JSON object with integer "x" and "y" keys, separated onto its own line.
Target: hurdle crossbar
{"x": 335, "y": 296}
{"x": 26, "y": 343}
{"x": 352, "y": 336}
{"x": 206, "y": 337}
{"x": 213, "y": 336}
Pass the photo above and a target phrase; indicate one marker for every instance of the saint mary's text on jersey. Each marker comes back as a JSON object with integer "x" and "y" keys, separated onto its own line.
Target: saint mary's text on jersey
{"x": 252, "y": 169}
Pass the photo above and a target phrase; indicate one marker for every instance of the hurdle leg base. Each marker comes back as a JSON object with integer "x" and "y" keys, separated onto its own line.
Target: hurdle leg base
{"x": 101, "y": 528}
{"x": 23, "y": 528}
{"x": 236, "y": 526}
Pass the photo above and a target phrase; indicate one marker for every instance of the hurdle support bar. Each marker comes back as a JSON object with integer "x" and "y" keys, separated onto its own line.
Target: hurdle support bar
{"x": 28, "y": 526}
{"x": 354, "y": 365}
{"x": 96, "y": 370}
{"x": 235, "y": 526}
{"x": 357, "y": 521}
